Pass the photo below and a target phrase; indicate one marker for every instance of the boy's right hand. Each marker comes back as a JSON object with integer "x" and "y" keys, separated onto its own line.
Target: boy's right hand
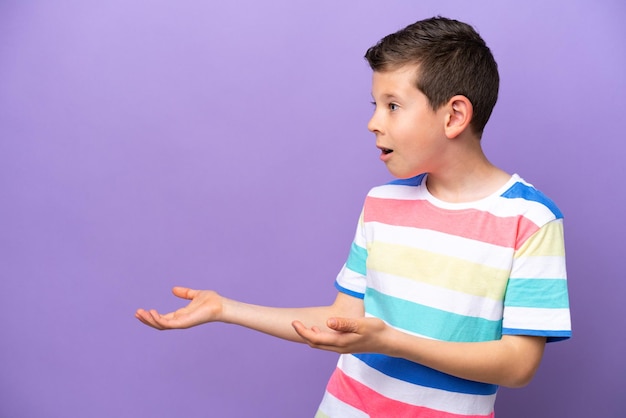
{"x": 205, "y": 306}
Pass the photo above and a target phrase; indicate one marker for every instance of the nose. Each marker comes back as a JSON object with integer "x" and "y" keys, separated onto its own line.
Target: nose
{"x": 373, "y": 124}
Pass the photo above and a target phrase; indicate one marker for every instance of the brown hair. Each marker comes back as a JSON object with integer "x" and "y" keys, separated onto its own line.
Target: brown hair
{"x": 452, "y": 60}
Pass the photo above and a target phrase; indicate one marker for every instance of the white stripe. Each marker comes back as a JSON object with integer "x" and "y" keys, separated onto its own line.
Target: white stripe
{"x": 397, "y": 192}
{"x": 438, "y": 242}
{"x": 359, "y": 237}
{"x": 437, "y": 297}
{"x": 539, "y": 267}
{"x": 533, "y": 319}
{"x": 536, "y": 212}
{"x": 351, "y": 280}
{"x": 333, "y": 407}
{"x": 456, "y": 403}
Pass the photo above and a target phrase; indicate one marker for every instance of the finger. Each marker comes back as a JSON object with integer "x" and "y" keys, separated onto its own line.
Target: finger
{"x": 160, "y": 321}
{"x": 342, "y": 324}
{"x": 321, "y": 341}
{"x": 145, "y": 317}
{"x": 172, "y": 320}
{"x": 139, "y": 316}
{"x": 313, "y": 336}
{"x": 297, "y": 325}
{"x": 302, "y": 331}
{"x": 184, "y": 292}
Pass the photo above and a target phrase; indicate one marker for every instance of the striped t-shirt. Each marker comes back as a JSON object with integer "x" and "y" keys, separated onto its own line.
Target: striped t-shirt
{"x": 464, "y": 272}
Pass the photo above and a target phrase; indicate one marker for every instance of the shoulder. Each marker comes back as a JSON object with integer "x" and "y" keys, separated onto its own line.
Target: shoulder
{"x": 531, "y": 202}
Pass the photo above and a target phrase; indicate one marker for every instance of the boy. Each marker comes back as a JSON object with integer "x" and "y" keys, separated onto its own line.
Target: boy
{"x": 456, "y": 276}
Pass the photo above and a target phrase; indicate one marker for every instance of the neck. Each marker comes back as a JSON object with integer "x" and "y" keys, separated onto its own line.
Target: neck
{"x": 466, "y": 176}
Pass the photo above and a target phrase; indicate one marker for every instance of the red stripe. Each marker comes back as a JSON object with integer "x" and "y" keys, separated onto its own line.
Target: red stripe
{"x": 365, "y": 399}
{"x": 508, "y": 232}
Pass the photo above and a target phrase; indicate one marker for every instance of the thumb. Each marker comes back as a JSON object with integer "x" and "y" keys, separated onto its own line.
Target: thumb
{"x": 184, "y": 292}
{"x": 342, "y": 324}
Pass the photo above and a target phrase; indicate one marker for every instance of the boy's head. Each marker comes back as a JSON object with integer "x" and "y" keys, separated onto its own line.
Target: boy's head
{"x": 451, "y": 59}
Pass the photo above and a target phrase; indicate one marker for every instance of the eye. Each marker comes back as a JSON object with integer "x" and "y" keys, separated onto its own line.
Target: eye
{"x": 393, "y": 106}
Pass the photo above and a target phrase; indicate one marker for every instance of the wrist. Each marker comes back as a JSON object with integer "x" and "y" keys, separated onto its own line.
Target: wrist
{"x": 226, "y": 310}
{"x": 393, "y": 342}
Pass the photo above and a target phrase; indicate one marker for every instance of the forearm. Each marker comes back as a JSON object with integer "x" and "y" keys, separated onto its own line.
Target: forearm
{"x": 270, "y": 320}
{"x": 278, "y": 321}
{"x": 510, "y": 361}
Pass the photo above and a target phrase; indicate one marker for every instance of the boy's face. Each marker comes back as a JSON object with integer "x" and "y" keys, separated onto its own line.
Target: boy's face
{"x": 408, "y": 131}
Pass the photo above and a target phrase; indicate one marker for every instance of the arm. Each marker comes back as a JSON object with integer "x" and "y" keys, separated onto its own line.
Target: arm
{"x": 208, "y": 306}
{"x": 511, "y": 361}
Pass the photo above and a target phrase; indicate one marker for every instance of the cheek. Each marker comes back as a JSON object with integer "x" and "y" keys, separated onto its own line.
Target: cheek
{"x": 410, "y": 135}
{"x": 404, "y": 131}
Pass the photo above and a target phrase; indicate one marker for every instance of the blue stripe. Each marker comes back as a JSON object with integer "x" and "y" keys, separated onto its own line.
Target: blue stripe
{"x": 413, "y": 181}
{"x": 348, "y": 291}
{"x": 551, "y": 336}
{"x": 537, "y": 293}
{"x": 357, "y": 259}
{"x": 430, "y": 322}
{"x": 523, "y": 191}
{"x": 417, "y": 374}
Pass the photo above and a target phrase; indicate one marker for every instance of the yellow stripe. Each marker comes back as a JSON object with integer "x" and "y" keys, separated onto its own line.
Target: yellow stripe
{"x": 548, "y": 241}
{"x": 438, "y": 270}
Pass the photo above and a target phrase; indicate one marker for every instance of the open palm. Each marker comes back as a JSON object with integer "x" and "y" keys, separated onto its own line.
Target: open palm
{"x": 205, "y": 306}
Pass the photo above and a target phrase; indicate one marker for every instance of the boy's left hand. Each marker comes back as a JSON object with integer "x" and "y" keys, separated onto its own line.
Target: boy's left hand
{"x": 346, "y": 335}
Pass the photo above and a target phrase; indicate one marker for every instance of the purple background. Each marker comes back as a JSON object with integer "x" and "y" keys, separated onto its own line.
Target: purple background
{"x": 223, "y": 145}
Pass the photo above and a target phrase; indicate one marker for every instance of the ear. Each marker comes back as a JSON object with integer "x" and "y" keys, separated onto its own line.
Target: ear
{"x": 459, "y": 112}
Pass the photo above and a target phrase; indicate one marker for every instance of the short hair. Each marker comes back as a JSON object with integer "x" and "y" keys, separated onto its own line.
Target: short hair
{"x": 452, "y": 59}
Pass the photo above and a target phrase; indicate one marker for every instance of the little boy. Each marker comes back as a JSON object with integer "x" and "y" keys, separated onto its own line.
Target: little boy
{"x": 456, "y": 276}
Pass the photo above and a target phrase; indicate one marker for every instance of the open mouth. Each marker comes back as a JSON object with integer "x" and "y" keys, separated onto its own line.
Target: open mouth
{"x": 386, "y": 151}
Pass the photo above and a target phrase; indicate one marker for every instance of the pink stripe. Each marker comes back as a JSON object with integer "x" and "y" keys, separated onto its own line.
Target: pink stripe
{"x": 508, "y": 232}
{"x": 365, "y": 399}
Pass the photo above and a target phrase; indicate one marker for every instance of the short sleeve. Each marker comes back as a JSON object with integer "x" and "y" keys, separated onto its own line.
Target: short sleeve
{"x": 352, "y": 277}
{"x": 536, "y": 301}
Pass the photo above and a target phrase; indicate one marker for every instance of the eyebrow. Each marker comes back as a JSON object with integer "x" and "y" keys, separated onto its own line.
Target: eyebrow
{"x": 388, "y": 96}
